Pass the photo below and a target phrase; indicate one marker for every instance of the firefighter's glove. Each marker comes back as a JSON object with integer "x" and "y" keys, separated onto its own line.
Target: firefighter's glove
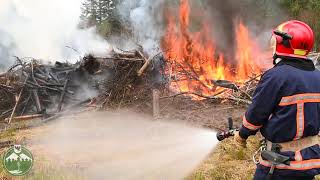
{"x": 239, "y": 141}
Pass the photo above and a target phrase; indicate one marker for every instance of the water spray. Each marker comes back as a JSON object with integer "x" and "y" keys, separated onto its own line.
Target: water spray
{"x": 129, "y": 145}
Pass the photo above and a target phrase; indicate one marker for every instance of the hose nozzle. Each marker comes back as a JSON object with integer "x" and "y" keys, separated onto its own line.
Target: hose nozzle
{"x": 226, "y": 134}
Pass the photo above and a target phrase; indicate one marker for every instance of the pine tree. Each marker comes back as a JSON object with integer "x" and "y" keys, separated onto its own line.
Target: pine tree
{"x": 89, "y": 12}
{"x": 97, "y": 11}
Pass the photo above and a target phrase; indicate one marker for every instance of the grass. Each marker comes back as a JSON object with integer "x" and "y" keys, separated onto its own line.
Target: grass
{"x": 226, "y": 162}
{"x": 42, "y": 168}
{"x": 8, "y": 135}
{"x": 45, "y": 170}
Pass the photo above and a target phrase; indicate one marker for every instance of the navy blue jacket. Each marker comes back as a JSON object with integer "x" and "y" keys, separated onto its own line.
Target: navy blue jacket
{"x": 286, "y": 107}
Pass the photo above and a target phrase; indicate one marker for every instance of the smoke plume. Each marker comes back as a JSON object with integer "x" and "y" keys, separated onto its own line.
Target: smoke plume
{"x": 43, "y": 29}
{"x": 259, "y": 15}
{"x": 148, "y": 19}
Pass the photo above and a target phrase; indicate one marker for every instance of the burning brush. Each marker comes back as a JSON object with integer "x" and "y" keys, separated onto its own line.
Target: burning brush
{"x": 195, "y": 65}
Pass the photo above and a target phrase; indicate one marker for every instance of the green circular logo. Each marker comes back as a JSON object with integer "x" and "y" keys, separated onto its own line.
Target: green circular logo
{"x": 17, "y": 160}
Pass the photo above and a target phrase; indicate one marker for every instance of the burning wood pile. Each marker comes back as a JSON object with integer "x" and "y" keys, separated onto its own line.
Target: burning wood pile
{"x": 196, "y": 66}
{"x": 190, "y": 64}
{"x": 225, "y": 91}
{"x": 30, "y": 89}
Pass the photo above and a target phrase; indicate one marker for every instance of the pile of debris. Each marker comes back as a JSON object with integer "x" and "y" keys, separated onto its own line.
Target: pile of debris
{"x": 30, "y": 89}
{"x": 128, "y": 77}
{"x": 226, "y": 91}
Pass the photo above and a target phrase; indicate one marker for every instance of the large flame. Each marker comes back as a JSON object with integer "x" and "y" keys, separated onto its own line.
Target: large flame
{"x": 195, "y": 61}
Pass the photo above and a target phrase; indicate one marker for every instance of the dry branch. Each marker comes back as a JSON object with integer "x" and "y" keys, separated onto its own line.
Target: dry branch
{"x": 17, "y": 101}
{"x": 26, "y": 117}
{"x": 63, "y": 94}
{"x": 147, "y": 63}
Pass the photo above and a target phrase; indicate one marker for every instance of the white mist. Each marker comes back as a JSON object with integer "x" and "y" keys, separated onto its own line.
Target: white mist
{"x": 125, "y": 146}
{"x": 43, "y": 28}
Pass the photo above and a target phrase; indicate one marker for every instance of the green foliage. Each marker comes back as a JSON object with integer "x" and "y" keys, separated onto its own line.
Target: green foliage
{"x": 307, "y": 11}
{"x": 103, "y": 15}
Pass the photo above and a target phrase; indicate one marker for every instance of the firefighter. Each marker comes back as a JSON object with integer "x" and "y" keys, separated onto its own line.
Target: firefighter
{"x": 286, "y": 108}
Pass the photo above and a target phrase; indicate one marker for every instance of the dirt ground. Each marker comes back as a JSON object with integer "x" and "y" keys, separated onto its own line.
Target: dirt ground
{"x": 208, "y": 113}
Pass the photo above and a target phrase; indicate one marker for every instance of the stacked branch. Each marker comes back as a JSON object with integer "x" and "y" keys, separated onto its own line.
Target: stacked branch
{"x": 129, "y": 78}
{"x": 30, "y": 89}
{"x": 240, "y": 93}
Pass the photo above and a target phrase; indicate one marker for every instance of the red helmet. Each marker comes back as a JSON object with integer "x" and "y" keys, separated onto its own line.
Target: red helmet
{"x": 293, "y": 39}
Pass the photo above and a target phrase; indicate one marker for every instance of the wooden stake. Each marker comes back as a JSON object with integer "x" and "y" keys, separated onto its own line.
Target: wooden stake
{"x": 156, "y": 104}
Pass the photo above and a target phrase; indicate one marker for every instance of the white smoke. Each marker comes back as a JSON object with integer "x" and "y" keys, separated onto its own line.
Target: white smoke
{"x": 146, "y": 19}
{"x": 43, "y": 28}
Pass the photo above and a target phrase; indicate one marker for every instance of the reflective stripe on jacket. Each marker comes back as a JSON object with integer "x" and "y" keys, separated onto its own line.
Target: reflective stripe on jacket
{"x": 286, "y": 107}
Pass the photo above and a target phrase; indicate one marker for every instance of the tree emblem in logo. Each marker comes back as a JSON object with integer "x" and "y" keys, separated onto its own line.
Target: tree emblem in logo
{"x": 18, "y": 160}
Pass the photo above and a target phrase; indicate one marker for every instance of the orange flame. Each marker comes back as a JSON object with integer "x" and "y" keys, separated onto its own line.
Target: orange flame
{"x": 194, "y": 60}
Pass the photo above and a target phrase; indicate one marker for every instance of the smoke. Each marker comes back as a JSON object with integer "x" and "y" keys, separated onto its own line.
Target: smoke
{"x": 43, "y": 28}
{"x": 7, "y": 47}
{"x": 259, "y": 15}
{"x": 148, "y": 19}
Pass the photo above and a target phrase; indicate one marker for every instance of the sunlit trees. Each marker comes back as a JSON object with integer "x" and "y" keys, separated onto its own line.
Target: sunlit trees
{"x": 307, "y": 11}
{"x": 102, "y": 14}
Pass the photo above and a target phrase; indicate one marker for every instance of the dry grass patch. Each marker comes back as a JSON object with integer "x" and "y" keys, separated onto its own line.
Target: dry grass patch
{"x": 227, "y": 162}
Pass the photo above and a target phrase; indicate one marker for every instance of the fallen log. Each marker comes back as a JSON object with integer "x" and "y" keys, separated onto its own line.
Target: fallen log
{"x": 25, "y": 117}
